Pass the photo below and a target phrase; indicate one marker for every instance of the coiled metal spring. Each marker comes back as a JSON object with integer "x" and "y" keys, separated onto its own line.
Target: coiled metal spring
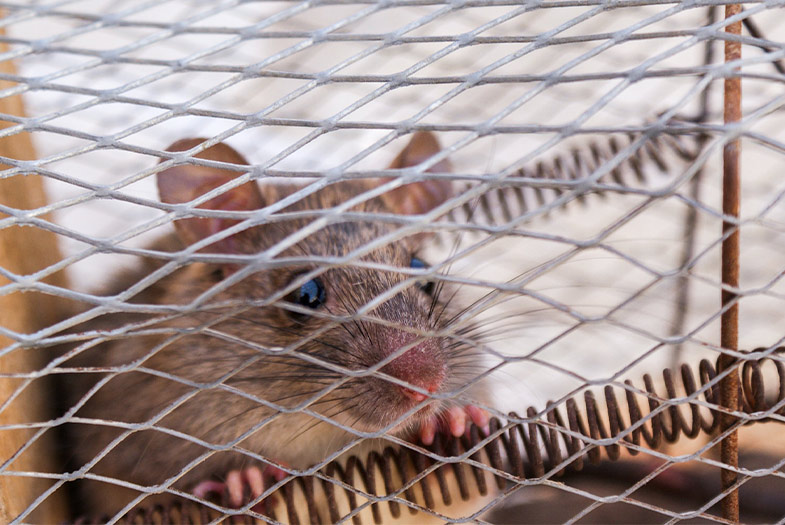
{"x": 505, "y": 203}
{"x": 521, "y": 449}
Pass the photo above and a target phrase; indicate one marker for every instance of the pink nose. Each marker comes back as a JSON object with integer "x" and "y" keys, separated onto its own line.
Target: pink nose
{"x": 417, "y": 396}
{"x": 422, "y": 366}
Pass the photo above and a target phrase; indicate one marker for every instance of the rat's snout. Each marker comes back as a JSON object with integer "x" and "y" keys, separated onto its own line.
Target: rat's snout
{"x": 422, "y": 366}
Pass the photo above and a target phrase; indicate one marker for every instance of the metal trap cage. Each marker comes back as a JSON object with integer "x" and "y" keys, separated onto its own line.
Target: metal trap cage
{"x": 393, "y": 261}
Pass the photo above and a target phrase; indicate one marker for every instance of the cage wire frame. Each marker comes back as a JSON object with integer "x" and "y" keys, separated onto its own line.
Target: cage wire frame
{"x": 531, "y": 185}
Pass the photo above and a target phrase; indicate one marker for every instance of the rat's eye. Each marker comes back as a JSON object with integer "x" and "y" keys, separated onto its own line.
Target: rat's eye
{"x": 419, "y": 264}
{"x": 311, "y": 294}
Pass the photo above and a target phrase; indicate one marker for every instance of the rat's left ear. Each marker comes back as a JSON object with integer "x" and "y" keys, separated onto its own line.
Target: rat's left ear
{"x": 185, "y": 182}
{"x": 419, "y": 197}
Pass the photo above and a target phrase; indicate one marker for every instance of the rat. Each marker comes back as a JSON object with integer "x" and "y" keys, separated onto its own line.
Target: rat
{"x": 213, "y": 378}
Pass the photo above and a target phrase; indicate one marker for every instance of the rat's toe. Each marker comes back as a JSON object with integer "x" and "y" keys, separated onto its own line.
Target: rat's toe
{"x": 274, "y": 472}
{"x": 205, "y": 488}
{"x": 456, "y": 421}
{"x": 235, "y": 488}
{"x": 254, "y": 477}
{"x": 428, "y": 430}
{"x": 479, "y": 417}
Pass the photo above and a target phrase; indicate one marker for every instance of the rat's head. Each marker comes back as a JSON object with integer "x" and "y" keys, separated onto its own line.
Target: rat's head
{"x": 397, "y": 332}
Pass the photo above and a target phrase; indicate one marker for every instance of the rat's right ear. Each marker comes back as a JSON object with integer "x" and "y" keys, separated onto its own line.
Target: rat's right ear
{"x": 186, "y": 182}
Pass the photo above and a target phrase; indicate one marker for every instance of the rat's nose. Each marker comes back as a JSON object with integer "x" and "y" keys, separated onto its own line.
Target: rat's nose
{"x": 418, "y": 397}
{"x": 422, "y": 366}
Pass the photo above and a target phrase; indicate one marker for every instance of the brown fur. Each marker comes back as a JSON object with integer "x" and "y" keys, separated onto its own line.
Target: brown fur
{"x": 228, "y": 389}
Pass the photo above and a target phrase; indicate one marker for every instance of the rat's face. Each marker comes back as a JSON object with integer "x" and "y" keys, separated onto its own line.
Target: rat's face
{"x": 396, "y": 335}
{"x": 361, "y": 345}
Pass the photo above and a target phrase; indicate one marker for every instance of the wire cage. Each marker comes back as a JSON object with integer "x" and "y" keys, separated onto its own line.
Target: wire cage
{"x": 396, "y": 261}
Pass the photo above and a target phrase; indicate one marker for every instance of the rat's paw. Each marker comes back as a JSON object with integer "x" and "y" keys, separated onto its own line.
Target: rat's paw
{"x": 241, "y": 486}
{"x": 453, "y": 420}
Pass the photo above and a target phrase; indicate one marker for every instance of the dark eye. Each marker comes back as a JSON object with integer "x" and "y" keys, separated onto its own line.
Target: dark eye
{"x": 419, "y": 264}
{"x": 311, "y": 294}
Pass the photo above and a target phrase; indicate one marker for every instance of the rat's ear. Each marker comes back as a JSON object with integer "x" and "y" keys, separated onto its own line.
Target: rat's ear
{"x": 419, "y": 197}
{"x": 186, "y": 182}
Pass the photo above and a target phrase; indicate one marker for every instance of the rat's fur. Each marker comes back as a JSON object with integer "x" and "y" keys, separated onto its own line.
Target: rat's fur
{"x": 239, "y": 406}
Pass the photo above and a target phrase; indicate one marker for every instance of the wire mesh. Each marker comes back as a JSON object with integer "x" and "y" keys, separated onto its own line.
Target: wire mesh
{"x": 569, "y": 223}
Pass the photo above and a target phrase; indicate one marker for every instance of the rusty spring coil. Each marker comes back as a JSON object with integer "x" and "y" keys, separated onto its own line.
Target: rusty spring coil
{"x": 522, "y": 449}
{"x": 505, "y": 203}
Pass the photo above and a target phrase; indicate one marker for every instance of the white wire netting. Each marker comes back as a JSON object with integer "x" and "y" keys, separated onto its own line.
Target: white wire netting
{"x": 578, "y": 244}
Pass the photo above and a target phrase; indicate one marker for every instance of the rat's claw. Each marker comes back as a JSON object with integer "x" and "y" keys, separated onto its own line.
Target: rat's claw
{"x": 234, "y": 488}
{"x": 454, "y": 420}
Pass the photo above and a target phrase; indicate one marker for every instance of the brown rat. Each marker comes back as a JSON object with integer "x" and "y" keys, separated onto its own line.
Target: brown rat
{"x": 209, "y": 393}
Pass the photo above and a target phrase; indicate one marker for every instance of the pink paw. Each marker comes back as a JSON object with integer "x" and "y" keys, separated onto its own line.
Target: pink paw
{"x": 454, "y": 420}
{"x": 234, "y": 487}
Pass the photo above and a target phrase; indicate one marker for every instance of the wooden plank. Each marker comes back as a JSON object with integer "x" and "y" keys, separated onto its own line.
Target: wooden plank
{"x": 25, "y": 250}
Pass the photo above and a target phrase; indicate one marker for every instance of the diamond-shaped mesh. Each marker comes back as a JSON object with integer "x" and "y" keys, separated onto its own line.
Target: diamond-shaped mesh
{"x": 564, "y": 237}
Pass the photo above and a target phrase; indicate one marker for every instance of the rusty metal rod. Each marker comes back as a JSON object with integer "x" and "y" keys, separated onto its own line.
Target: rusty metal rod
{"x": 729, "y": 323}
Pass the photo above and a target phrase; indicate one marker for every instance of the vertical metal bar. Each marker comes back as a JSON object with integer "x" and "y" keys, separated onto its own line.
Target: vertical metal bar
{"x": 730, "y": 271}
